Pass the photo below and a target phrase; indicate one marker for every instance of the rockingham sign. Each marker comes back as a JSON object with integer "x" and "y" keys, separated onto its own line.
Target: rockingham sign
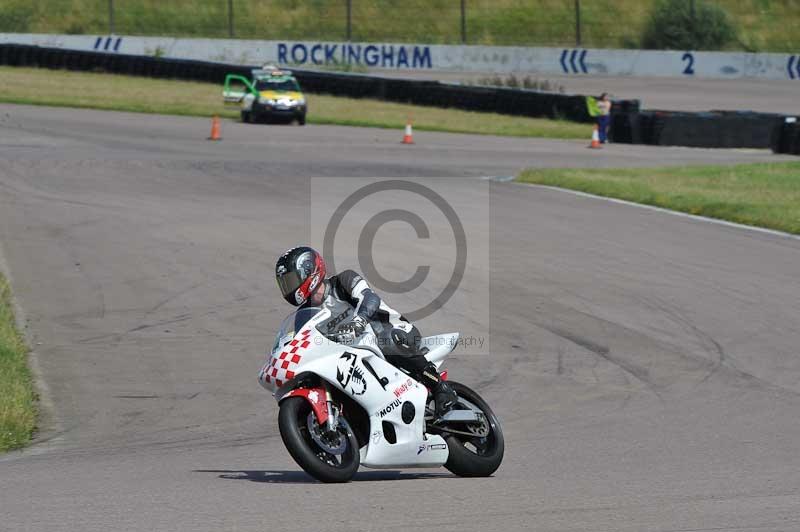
{"x": 443, "y": 58}
{"x": 413, "y": 57}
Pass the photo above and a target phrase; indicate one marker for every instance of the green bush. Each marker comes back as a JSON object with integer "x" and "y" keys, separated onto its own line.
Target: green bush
{"x": 675, "y": 25}
{"x": 15, "y": 18}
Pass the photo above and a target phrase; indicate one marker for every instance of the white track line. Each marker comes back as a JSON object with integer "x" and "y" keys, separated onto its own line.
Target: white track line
{"x": 755, "y": 229}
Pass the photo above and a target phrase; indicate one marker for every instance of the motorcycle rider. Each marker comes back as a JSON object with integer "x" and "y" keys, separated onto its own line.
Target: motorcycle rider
{"x": 300, "y": 273}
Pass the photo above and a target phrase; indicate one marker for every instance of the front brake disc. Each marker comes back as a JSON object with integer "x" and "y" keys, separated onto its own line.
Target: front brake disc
{"x": 335, "y": 442}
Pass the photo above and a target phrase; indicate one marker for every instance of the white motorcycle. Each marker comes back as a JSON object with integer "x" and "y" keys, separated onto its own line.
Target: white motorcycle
{"x": 342, "y": 405}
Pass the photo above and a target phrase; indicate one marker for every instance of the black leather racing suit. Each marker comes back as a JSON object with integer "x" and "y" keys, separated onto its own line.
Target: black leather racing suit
{"x": 398, "y": 339}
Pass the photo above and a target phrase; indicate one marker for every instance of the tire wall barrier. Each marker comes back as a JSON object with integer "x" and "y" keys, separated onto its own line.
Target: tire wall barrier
{"x": 786, "y": 137}
{"x": 715, "y": 129}
{"x": 519, "y": 102}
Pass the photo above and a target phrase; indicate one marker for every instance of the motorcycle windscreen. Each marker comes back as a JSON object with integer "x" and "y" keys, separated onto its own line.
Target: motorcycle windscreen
{"x": 302, "y": 316}
{"x": 293, "y": 323}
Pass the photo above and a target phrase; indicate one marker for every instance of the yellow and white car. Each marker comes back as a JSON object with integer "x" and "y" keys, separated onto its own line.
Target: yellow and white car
{"x": 271, "y": 95}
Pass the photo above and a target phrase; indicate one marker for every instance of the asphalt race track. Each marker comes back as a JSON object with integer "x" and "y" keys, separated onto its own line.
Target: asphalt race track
{"x": 645, "y": 365}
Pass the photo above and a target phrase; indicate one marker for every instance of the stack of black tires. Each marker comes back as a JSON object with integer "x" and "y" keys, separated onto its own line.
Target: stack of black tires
{"x": 712, "y": 129}
{"x": 786, "y": 137}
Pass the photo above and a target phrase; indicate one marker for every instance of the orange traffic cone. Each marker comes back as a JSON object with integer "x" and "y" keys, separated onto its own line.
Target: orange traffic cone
{"x": 408, "y": 138}
{"x": 595, "y": 139}
{"x": 215, "y": 129}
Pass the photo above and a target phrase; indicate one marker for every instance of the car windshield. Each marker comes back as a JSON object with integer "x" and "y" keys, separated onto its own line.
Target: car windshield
{"x": 293, "y": 323}
{"x": 277, "y": 85}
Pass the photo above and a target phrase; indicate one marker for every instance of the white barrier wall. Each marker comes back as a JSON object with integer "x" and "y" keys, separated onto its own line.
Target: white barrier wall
{"x": 446, "y": 58}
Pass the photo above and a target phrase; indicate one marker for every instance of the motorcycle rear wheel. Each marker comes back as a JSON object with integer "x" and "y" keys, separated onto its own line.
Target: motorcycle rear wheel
{"x": 293, "y": 423}
{"x": 475, "y": 456}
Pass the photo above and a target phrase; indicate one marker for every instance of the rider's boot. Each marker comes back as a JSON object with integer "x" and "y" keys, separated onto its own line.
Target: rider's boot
{"x": 444, "y": 397}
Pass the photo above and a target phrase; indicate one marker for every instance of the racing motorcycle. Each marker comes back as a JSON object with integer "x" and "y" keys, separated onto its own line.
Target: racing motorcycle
{"x": 343, "y": 405}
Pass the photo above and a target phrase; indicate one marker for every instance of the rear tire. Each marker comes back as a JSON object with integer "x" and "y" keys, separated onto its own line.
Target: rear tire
{"x": 488, "y": 453}
{"x": 292, "y": 422}
{"x": 246, "y": 117}
{"x": 301, "y": 120}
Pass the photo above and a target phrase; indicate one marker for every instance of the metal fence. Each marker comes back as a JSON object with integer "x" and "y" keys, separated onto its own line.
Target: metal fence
{"x": 502, "y": 22}
{"x": 763, "y": 25}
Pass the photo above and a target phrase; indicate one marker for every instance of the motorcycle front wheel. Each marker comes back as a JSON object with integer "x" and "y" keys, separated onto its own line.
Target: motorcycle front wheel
{"x": 328, "y": 457}
{"x": 477, "y": 449}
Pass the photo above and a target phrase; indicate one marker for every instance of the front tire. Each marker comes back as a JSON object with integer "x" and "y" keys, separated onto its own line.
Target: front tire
{"x": 296, "y": 422}
{"x": 475, "y": 456}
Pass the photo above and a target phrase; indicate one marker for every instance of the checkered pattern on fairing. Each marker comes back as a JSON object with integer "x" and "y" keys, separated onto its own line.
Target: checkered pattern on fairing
{"x": 281, "y": 368}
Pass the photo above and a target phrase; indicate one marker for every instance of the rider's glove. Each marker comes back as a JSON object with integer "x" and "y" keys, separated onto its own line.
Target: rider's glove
{"x": 345, "y": 337}
{"x": 359, "y": 325}
{"x": 349, "y": 332}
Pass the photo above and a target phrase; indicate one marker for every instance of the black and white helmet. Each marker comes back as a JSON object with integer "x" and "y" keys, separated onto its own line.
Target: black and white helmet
{"x": 299, "y": 272}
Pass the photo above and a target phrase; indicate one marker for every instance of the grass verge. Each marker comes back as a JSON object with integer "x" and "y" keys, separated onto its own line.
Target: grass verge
{"x": 764, "y": 195}
{"x": 17, "y": 397}
{"x": 145, "y": 95}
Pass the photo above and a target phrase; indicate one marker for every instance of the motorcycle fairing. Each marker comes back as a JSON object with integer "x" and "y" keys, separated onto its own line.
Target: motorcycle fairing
{"x": 439, "y": 346}
{"x": 282, "y": 366}
{"x": 383, "y": 398}
{"x": 379, "y": 387}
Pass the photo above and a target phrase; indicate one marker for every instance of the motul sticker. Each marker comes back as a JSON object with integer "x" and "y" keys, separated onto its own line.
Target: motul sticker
{"x": 388, "y": 408}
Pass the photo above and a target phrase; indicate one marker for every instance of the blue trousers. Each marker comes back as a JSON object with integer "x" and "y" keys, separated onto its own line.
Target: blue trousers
{"x": 602, "y": 126}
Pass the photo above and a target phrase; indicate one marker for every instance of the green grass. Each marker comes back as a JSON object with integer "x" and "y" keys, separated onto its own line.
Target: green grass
{"x": 765, "y": 195}
{"x": 145, "y": 95}
{"x": 17, "y": 398}
{"x": 765, "y": 25}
